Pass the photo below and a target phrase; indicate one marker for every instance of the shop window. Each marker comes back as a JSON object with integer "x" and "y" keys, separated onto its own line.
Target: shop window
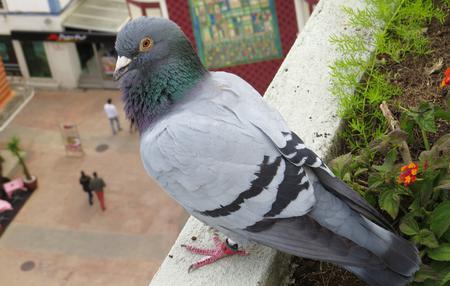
{"x": 108, "y": 58}
{"x": 36, "y": 59}
{"x": 9, "y": 57}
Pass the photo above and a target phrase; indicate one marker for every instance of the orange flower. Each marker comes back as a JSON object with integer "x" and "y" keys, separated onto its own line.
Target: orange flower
{"x": 408, "y": 174}
{"x": 446, "y": 80}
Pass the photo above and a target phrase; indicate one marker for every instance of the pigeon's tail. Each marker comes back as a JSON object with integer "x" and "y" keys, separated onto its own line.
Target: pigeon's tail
{"x": 399, "y": 256}
{"x": 377, "y": 277}
{"x": 396, "y": 252}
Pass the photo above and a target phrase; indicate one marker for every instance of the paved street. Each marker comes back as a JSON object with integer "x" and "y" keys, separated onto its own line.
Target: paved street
{"x": 69, "y": 242}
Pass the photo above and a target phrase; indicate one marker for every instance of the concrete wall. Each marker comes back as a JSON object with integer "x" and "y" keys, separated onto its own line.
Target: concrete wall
{"x": 40, "y": 6}
{"x": 300, "y": 91}
{"x": 36, "y": 6}
{"x": 64, "y": 3}
{"x": 20, "y": 22}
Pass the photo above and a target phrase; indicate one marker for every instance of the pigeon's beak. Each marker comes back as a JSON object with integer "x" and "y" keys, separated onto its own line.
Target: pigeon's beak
{"x": 121, "y": 67}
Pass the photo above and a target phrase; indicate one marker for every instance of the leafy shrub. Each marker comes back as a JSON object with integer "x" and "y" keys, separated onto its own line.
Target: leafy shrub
{"x": 415, "y": 195}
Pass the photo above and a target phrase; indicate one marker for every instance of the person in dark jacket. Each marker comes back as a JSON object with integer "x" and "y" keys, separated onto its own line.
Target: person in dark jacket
{"x": 97, "y": 184}
{"x": 85, "y": 180}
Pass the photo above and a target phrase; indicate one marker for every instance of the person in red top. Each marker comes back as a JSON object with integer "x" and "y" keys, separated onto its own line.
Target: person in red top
{"x": 97, "y": 185}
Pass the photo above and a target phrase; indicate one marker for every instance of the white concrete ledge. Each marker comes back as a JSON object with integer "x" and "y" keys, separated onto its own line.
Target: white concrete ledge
{"x": 300, "y": 91}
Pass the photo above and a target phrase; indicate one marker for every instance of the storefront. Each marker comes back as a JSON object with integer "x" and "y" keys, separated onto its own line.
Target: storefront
{"x": 95, "y": 52}
{"x": 76, "y": 50}
{"x": 97, "y": 22}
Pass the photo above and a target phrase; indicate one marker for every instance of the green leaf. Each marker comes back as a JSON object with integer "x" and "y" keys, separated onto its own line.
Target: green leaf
{"x": 409, "y": 226}
{"x": 427, "y": 238}
{"x": 440, "y": 219}
{"x": 393, "y": 138}
{"x": 375, "y": 180}
{"x": 438, "y": 156}
{"x": 443, "y": 185}
{"x": 445, "y": 278}
{"x": 407, "y": 124}
{"x": 427, "y": 122}
{"x": 340, "y": 165}
{"x": 360, "y": 171}
{"x": 423, "y": 189}
{"x": 440, "y": 253}
{"x": 390, "y": 202}
{"x": 425, "y": 272}
{"x": 446, "y": 236}
{"x": 415, "y": 205}
{"x": 442, "y": 270}
{"x": 442, "y": 114}
{"x": 347, "y": 177}
{"x": 389, "y": 162}
{"x": 391, "y": 157}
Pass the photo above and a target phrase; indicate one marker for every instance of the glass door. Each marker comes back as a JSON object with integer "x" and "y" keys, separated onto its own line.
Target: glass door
{"x": 108, "y": 56}
{"x": 36, "y": 59}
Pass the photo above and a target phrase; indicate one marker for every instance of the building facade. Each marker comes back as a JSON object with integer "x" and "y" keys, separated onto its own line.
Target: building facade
{"x": 70, "y": 43}
{"x": 60, "y": 43}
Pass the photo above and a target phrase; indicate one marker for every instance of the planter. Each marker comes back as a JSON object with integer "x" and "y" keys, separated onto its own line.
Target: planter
{"x": 32, "y": 184}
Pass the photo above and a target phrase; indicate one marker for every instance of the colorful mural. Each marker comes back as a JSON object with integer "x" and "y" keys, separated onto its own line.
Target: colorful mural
{"x": 232, "y": 32}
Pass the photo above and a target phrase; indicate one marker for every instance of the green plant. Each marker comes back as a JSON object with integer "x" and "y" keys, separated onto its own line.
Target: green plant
{"x": 424, "y": 116}
{"x": 415, "y": 195}
{"x": 14, "y": 147}
{"x": 358, "y": 79}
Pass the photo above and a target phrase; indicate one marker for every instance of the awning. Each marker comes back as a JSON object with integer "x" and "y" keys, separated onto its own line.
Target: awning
{"x": 98, "y": 15}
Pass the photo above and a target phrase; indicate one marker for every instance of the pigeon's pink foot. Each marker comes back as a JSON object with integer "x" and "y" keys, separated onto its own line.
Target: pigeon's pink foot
{"x": 223, "y": 249}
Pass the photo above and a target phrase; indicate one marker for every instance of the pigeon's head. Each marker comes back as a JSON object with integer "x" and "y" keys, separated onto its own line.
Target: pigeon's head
{"x": 146, "y": 43}
{"x": 157, "y": 66}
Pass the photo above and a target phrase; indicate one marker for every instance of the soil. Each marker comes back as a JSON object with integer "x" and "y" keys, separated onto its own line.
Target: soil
{"x": 413, "y": 77}
{"x": 418, "y": 84}
{"x": 306, "y": 272}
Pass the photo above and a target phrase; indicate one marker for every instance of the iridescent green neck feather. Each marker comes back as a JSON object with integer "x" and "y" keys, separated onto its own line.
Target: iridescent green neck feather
{"x": 151, "y": 91}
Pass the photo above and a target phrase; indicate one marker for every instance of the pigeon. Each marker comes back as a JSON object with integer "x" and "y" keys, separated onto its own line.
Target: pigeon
{"x": 214, "y": 145}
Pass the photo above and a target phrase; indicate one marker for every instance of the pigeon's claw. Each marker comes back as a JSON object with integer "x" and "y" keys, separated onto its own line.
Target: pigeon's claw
{"x": 205, "y": 261}
{"x": 222, "y": 250}
{"x": 200, "y": 251}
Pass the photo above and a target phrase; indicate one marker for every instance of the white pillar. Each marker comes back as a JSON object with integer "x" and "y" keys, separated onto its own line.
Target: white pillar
{"x": 302, "y": 13}
{"x": 21, "y": 59}
{"x": 64, "y": 63}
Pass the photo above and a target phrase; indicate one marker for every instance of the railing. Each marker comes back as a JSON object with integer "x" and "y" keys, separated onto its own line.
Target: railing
{"x": 300, "y": 91}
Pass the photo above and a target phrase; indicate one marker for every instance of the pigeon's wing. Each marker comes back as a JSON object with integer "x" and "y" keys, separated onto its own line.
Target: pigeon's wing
{"x": 303, "y": 236}
{"x": 223, "y": 171}
{"x": 297, "y": 153}
{"x": 293, "y": 148}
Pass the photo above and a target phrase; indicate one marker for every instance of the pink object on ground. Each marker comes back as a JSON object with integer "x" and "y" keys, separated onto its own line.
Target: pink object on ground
{"x": 5, "y": 206}
{"x": 13, "y": 186}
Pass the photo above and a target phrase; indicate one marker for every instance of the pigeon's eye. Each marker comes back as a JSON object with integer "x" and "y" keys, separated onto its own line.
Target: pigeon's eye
{"x": 146, "y": 44}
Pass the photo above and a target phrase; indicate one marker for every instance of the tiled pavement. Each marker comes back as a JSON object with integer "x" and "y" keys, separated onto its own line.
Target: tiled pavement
{"x": 69, "y": 242}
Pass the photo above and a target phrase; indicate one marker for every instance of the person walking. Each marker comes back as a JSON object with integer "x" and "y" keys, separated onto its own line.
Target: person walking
{"x": 85, "y": 181}
{"x": 97, "y": 184}
{"x": 113, "y": 116}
